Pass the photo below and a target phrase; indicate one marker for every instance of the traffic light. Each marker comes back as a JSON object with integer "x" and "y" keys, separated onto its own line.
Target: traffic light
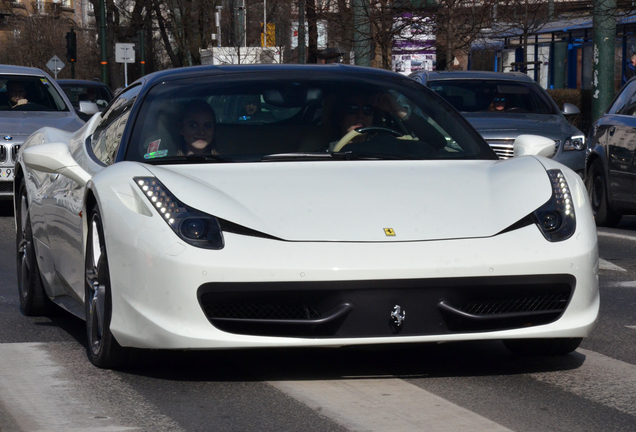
{"x": 71, "y": 46}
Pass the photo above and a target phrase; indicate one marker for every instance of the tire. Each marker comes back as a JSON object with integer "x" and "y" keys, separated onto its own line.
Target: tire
{"x": 102, "y": 348}
{"x": 604, "y": 216}
{"x": 543, "y": 347}
{"x": 33, "y": 298}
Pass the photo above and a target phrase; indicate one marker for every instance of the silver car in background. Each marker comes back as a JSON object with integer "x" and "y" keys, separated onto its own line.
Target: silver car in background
{"x": 502, "y": 106}
{"x": 29, "y": 100}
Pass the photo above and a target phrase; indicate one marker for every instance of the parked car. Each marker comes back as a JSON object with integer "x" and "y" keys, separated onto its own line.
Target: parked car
{"x": 81, "y": 91}
{"x": 610, "y": 165}
{"x": 29, "y": 100}
{"x": 502, "y": 106}
{"x": 171, "y": 222}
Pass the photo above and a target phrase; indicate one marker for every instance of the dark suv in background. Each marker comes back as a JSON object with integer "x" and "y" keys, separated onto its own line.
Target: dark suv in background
{"x": 502, "y": 106}
{"x": 79, "y": 91}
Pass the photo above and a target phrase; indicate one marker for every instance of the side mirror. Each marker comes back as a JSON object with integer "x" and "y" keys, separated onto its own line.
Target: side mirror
{"x": 87, "y": 107}
{"x": 533, "y": 145}
{"x": 55, "y": 158}
{"x": 570, "y": 109}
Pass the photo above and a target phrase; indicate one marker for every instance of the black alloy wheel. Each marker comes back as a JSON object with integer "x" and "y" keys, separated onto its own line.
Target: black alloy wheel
{"x": 102, "y": 348}
{"x": 604, "y": 216}
{"x": 33, "y": 299}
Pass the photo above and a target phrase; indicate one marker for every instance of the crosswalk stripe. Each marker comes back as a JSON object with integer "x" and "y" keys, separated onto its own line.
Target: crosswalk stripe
{"x": 614, "y": 235}
{"x": 38, "y": 400}
{"x": 606, "y": 265}
{"x": 601, "y": 379}
{"x": 385, "y": 404}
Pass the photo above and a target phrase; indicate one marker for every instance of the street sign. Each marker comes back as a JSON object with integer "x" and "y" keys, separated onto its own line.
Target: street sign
{"x": 55, "y": 64}
{"x": 124, "y": 53}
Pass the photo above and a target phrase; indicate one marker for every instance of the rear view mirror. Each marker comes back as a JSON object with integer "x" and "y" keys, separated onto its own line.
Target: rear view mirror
{"x": 55, "y": 158}
{"x": 570, "y": 109}
{"x": 87, "y": 107}
{"x": 533, "y": 145}
{"x": 294, "y": 95}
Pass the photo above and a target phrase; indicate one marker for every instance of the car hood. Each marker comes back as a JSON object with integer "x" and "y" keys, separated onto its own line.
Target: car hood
{"x": 358, "y": 200}
{"x": 495, "y": 125}
{"x": 20, "y": 125}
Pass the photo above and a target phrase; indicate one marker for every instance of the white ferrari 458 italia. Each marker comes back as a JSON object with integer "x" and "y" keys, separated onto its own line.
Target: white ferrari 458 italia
{"x": 296, "y": 206}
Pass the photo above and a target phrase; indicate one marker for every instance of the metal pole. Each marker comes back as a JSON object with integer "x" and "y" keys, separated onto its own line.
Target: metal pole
{"x": 142, "y": 51}
{"x": 102, "y": 37}
{"x": 264, "y": 23}
{"x": 301, "y": 31}
{"x": 125, "y": 67}
{"x": 603, "y": 61}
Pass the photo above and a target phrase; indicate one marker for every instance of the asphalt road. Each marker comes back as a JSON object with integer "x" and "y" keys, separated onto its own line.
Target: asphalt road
{"x": 47, "y": 384}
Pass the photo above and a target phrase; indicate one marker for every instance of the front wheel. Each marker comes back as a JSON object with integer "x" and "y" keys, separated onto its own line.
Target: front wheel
{"x": 33, "y": 298}
{"x": 103, "y": 350}
{"x": 604, "y": 216}
{"x": 543, "y": 347}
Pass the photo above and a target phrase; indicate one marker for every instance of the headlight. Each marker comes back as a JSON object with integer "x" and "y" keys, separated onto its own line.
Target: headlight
{"x": 574, "y": 143}
{"x": 556, "y": 218}
{"x": 191, "y": 225}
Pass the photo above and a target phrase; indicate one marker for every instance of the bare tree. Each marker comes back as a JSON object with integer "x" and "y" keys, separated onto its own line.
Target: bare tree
{"x": 459, "y": 23}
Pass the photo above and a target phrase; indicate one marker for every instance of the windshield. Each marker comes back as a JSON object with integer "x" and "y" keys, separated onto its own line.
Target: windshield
{"x": 90, "y": 93}
{"x": 29, "y": 93}
{"x": 472, "y": 95}
{"x": 248, "y": 119}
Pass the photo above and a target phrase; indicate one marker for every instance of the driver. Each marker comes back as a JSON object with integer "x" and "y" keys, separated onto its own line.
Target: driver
{"x": 359, "y": 110}
{"x": 16, "y": 94}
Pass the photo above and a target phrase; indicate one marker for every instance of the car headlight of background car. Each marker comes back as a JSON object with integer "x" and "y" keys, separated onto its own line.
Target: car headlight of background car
{"x": 191, "y": 225}
{"x": 556, "y": 218}
{"x": 576, "y": 142}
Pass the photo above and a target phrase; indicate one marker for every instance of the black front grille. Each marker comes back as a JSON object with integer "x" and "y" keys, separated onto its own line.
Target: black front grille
{"x": 363, "y": 308}
{"x": 261, "y": 311}
{"x": 495, "y": 306}
{"x": 14, "y": 152}
{"x": 3, "y": 153}
{"x": 6, "y": 187}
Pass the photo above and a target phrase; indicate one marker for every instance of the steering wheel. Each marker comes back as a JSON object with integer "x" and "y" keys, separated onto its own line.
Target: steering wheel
{"x": 31, "y": 106}
{"x": 364, "y": 130}
{"x": 517, "y": 109}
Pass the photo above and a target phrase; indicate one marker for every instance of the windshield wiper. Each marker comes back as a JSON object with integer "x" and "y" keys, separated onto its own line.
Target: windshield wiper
{"x": 187, "y": 159}
{"x": 371, "y": 156}
{"x": 295, "y": 156}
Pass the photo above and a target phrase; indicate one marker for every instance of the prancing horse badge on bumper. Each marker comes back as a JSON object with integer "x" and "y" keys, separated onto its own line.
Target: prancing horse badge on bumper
{"x": 397, "y": 316}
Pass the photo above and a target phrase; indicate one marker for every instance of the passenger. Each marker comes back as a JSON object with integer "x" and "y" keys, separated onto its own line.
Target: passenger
{"x": 16, "y": 94}
{"x": 197, "y": 129}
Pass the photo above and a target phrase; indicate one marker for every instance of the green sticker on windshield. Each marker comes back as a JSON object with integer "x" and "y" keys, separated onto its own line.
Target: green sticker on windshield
{"x": 156, "y": 154}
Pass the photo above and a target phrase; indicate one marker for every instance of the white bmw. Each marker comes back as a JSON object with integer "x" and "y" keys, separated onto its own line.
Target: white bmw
{"x": 288, "y": 206}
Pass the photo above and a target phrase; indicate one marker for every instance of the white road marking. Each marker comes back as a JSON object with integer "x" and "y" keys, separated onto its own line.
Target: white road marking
{"x": 623, "y": 284}
{"x": 600, "y": 379}
{"x": 620, "y": 236}
{"x": 38, "y": 400}
{"x": 385, "y": 404}
{"x": 631, "y": 327}
{"x": 606, "y": 265}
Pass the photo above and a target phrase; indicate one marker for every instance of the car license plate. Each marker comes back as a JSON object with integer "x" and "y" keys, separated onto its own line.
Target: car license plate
{"x": 6, "y": 174}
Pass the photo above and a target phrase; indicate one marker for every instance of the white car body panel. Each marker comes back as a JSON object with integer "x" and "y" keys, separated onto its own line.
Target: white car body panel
{"x": 321, "y": 221}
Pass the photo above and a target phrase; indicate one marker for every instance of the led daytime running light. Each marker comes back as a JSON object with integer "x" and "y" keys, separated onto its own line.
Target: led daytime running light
{"x": 180, "y": 217}
{"x": 556, "y": 219}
